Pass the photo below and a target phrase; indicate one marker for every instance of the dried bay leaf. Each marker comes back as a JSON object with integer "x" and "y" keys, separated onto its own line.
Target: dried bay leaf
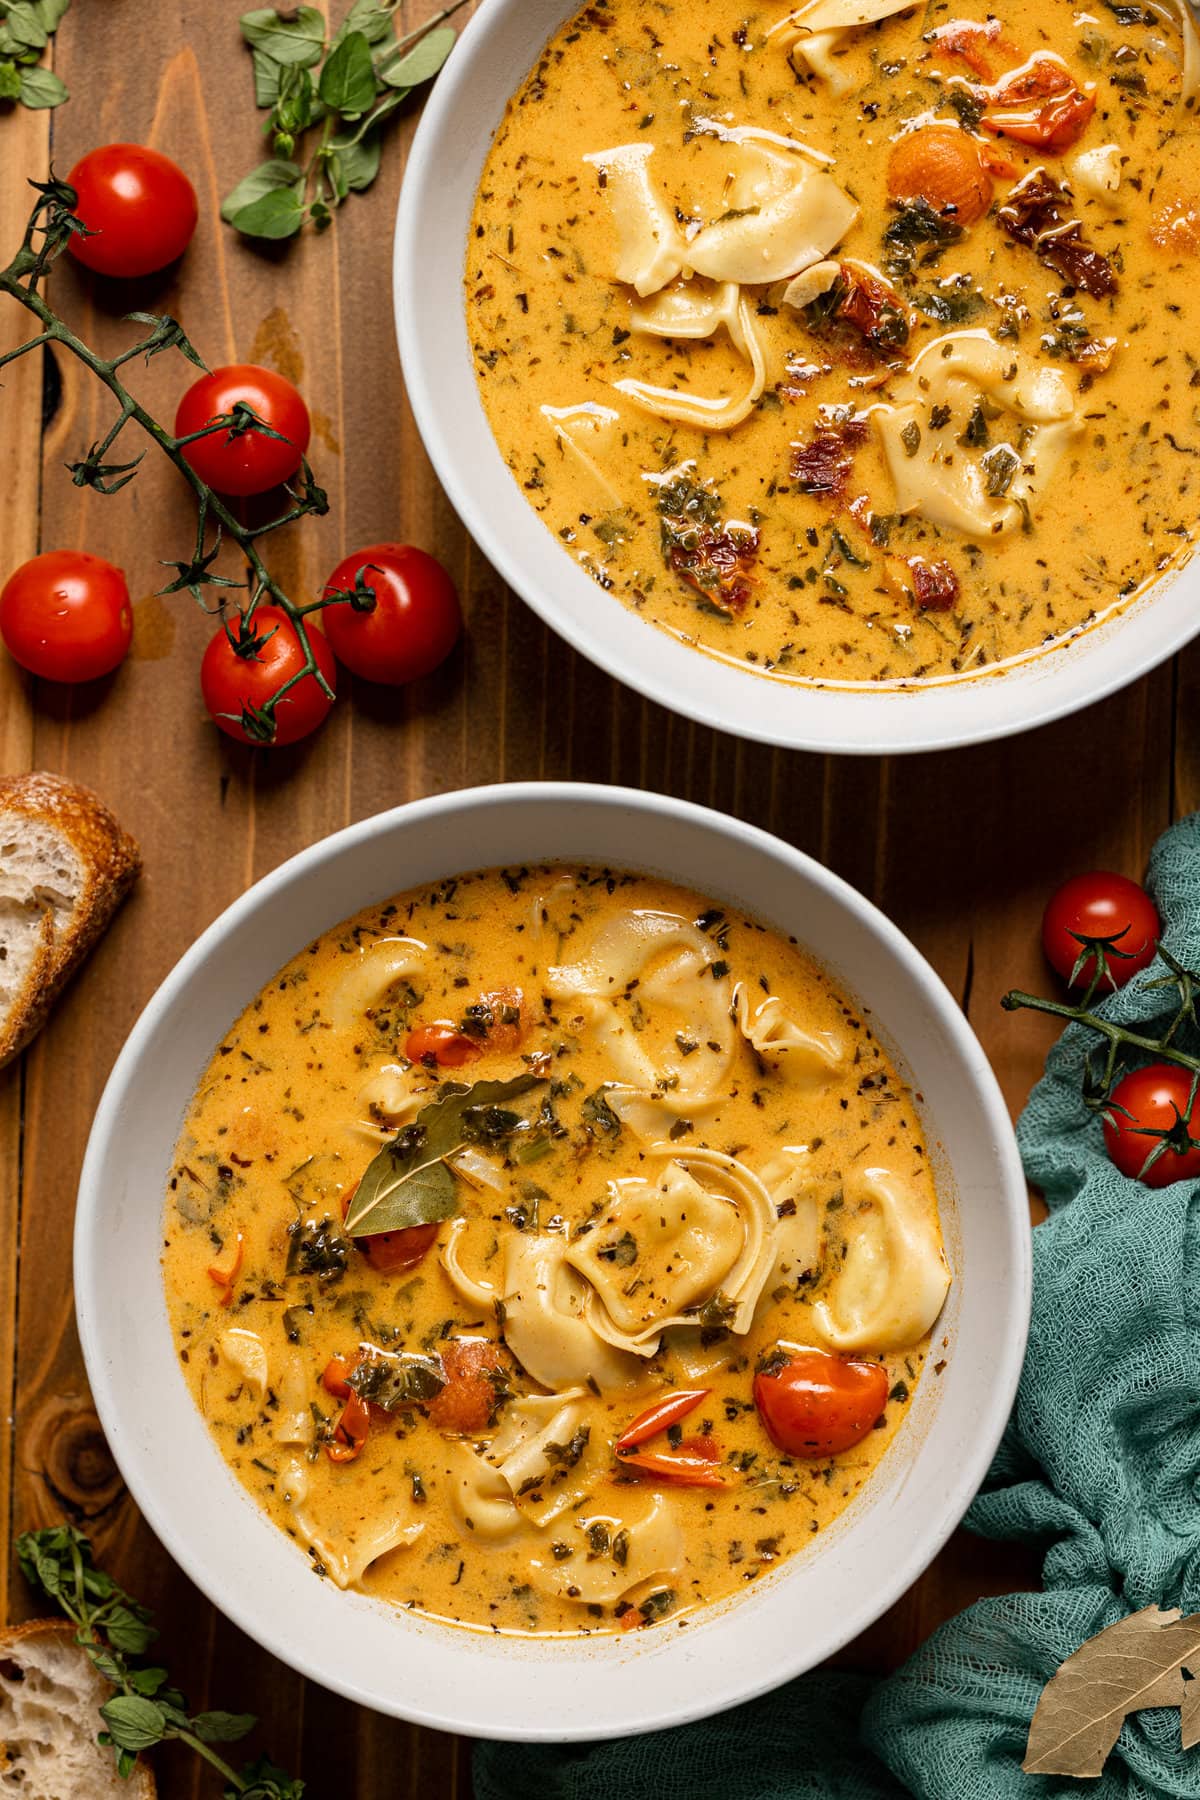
{"x": 1138, "y": 1662}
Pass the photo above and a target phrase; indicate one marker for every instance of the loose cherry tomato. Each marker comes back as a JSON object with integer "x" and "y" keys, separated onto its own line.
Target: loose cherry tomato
{"x": 817, "y": 1405}
{"x": 139, "y": 207}
{"x": 239, "y": 674}
{"x": 413, "y": 624}
{"x": 1039, "y": 104}
{"x": 1100, "y": 905}
{"x": 442, "y": 1042}
{"x": 497, "y": 1020}
{"x": 391, "y": 1252}
{"x": 1150, "y": 1107}
{"x": 243, "y": 459}
{"x": 65, "y": 615}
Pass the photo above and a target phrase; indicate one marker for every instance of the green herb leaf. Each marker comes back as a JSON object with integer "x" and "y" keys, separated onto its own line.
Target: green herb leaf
{"x": 261, "y": 1780}
{"x": 51, "y": 13}
{"x": 41, "y": 88}
{"x": 268, "y": 178}
{"x": 267, "y": 76}
{"x": 423, "y": 61}
{"x": 347, "y": 82}
{"x": 353, "y": 167}
{"x": 279, "y": 214}
{"x": 135, "y": 1723}
{"x": 408, "y": 1183}
{"x": 296, "y": 38}
{"x": 222, "y": 1727}
{"x": 370, "y": 17}
{"x": 10, "y": 81}
{"x": 398, "y": 1382}
{"x": 24, "y": 27}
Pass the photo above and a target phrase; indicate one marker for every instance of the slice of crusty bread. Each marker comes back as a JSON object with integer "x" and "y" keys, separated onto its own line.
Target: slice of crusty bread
{"x": 50, "y": 1697}
{"x": 65, "y": 866}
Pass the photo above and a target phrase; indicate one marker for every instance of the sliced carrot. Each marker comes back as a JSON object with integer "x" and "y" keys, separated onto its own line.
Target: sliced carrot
{"x": 656, "y": 1418}
{"x": 677, "y": 1471}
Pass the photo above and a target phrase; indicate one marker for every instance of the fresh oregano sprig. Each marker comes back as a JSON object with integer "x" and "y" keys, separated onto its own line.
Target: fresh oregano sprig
{"x": 1104, "y": 1063}
{"x": 26, "y": 27}
{"x": 348, "y": 85}
{"x": 51, "y": 225}
{"x": 115, "y": 1631}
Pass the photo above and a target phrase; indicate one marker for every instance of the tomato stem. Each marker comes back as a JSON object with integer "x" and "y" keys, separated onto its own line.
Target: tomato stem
{"x": 54, "y": 223}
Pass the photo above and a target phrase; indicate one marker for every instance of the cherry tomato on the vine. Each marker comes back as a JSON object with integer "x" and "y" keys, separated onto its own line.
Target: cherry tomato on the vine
{"x": 139, "y": 207}
{"x": 391, "y": 1252}
{"x": 413, "y": 624}
{"x": 1149, "y": 1107}
{"x": 1100, "y": 904}
{"x": 239, "y": 674}
{"x": 243, "y": 459}
{"x": 65, "y": 615}
{"x": 816, "y": 1405}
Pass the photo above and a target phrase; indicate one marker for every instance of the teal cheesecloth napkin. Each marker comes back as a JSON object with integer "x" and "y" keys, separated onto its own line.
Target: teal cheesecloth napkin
{"x": 1100, "y": 1464}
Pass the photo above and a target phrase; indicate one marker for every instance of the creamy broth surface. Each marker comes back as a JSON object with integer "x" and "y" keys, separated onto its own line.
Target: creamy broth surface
{"x": 712, "y": 1165}
{"x": 854, "y": 353}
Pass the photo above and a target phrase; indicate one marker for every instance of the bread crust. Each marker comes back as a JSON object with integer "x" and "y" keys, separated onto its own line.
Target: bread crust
{"x": 141, "y": 1784}
{"x": 112, "y": 862}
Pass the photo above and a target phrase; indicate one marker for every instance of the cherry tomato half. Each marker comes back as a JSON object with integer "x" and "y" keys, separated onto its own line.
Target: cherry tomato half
{"x": 139, "y": 206}
{"x": 442, "y": 1042}
{"x": 1100, "y": 905}
{"x": 1146, "y": 1104}
{"x": 390, "y": 1252}
{"x": 249, "y": 461}
{"x": 816, "y": 1405}
{"x": 414, "y": 623}
{"x": 65, "y": 615}
{"x": 233, "y": 680}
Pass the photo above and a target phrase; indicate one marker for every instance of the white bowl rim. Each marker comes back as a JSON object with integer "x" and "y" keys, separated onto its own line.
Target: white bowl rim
{"x": 1040, "y": 690}
{"x": 88, "y": 1235}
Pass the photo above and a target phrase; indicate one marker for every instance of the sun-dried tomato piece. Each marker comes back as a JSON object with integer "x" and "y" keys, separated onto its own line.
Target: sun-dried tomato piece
{"x": 1039, "y": 104}
{"x": 717, "y": 564}
{"x": 1037, "y": 213}
{"x": 823, "y": 465}
{"x": 1176, "y": 226}
{"x": 475, "y": 1379}
{"x": 935, "y": 585}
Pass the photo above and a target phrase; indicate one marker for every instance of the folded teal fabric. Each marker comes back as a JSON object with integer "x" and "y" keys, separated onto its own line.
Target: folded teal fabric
{"x": 1100, "y": 1464}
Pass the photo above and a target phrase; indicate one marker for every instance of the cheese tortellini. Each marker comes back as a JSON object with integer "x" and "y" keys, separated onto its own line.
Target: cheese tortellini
{"x": 893, "y": 1279}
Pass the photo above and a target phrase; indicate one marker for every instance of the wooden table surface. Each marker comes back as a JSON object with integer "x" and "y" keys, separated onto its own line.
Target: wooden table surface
{"x": 960, "y": 849}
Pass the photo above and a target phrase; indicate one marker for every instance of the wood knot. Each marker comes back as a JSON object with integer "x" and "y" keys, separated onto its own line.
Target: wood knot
{"x": 68, "y": 1449}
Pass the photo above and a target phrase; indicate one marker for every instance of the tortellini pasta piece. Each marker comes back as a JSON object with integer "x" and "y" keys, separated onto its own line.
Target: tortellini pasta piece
{"x": 294, "y": 1422}
{"x": 582, "y": 431}
{"x": 639, "y": 1550}
{"x": 671, "y": 963}
{"x": 347, "y": 1557}
{"x": 376, "y": 970}
{"x": 813, "y": 32}
{"x": 245, "y": 1351}
{"x": 893, "y": 1279}
{"x": 536, "y": 1467}
{"x": 388, "y": 1095}
{"x": 690, "y": 310}
{"x": 797, "y": 1217}
{"x": 667, "y": 1247}
{"x": 542, "y": 1305}
{"x": 806, "y": 1056}
{"x": 980, "y": 492}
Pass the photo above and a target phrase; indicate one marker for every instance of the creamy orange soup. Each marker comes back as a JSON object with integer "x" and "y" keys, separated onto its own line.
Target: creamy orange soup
{"x": 856, "y": 344}
{"x": 487, "y": 1173}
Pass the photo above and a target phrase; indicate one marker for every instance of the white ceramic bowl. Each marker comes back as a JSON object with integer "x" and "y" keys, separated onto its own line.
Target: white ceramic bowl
{"x": 497, "y": 50}
{"x": 445, "y": 1676}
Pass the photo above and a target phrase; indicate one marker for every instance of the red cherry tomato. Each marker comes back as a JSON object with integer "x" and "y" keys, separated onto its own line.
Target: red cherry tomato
{"x": 1039, "y": 104}
{"x": 237, "y": 685}
{"x": 391, "y": 1252}
{"x": 816, "y": 1405}
{"x": 139, "y": 206}
{"x": 414, "y": 623}
{"x": 250, "y": 461}
{"x": 449, "y": 1047}
{"x": 65, "y": 615}
{"x": 1145, "y": 1105}
{"x": 1100, "y": 905}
